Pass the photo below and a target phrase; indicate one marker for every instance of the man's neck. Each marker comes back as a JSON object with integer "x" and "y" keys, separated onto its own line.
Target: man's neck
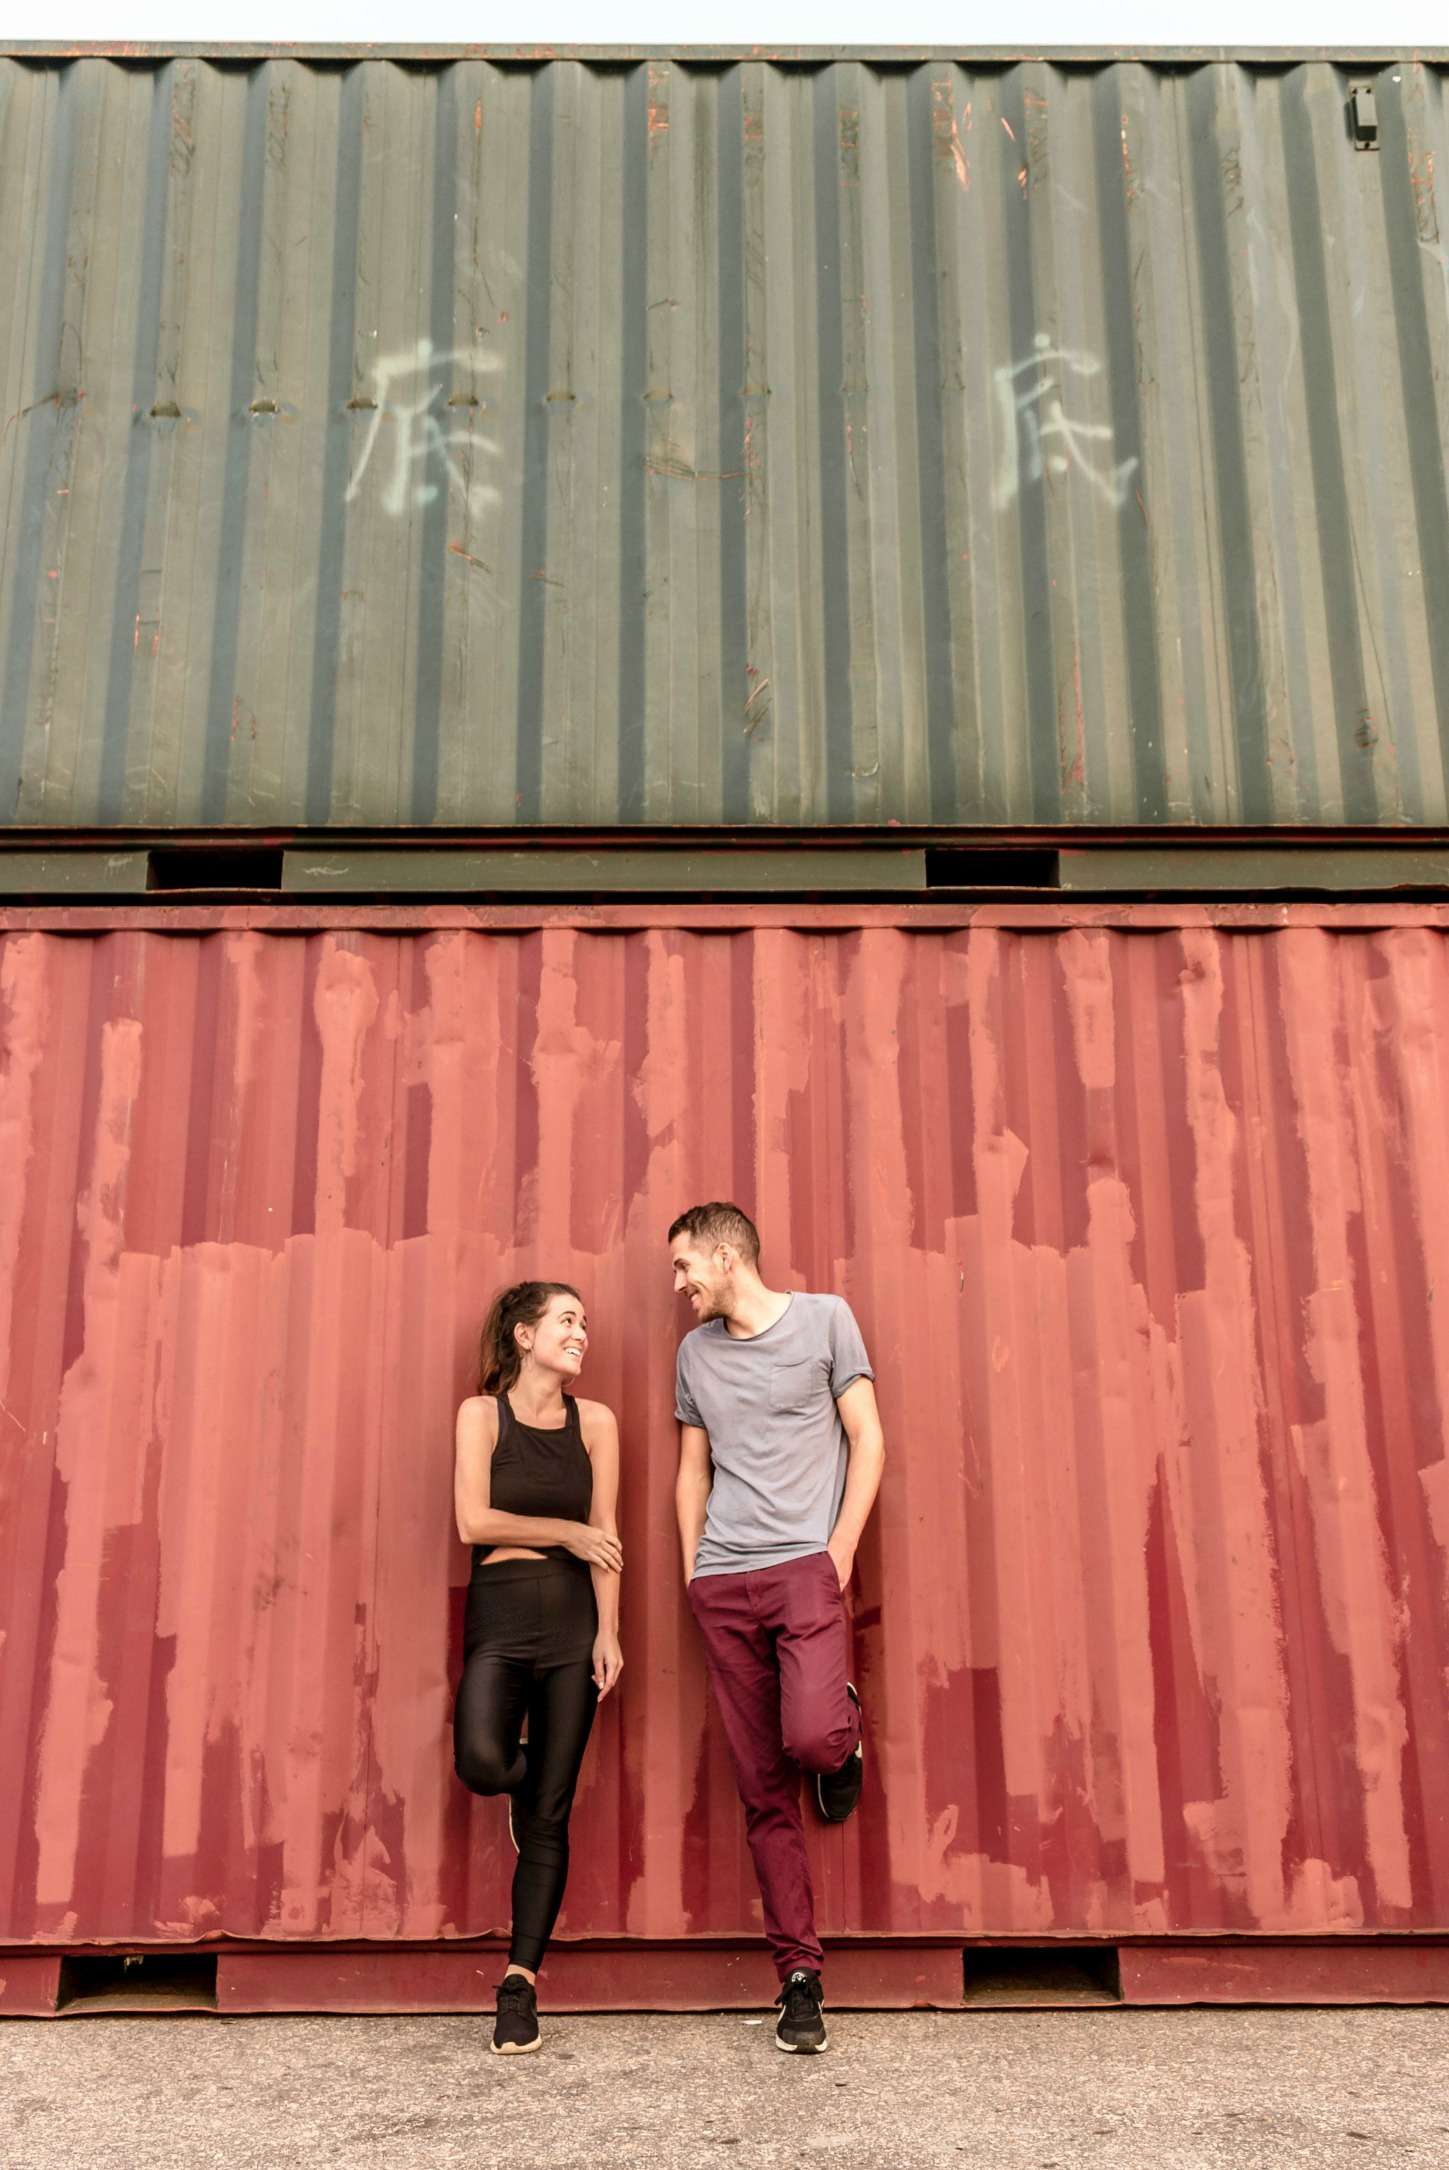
{"x": 756, "y": 1310}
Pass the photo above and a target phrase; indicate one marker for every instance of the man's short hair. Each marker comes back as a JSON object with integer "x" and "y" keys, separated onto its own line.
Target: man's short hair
{"x": 719, "y": 1222}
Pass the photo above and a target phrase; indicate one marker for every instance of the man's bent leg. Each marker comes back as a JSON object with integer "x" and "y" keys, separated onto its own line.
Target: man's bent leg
{"x": 802, "y": 1603}
{"x": 746, "y": 1688}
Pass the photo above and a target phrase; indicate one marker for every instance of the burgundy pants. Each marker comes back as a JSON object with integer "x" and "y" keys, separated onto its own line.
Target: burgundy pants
{"x": 775, "y": 1647}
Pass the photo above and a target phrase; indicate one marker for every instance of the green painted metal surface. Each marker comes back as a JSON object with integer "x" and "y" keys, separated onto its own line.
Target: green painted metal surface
{"x": 640, "y": 873}
{"x": 728, "y": 442}
{"x": 1254, "y": 869}
{"x": 72, "y": 873}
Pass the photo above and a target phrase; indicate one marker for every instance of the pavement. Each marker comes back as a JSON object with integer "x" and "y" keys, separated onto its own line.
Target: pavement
{"x": 1133, "y": 2090}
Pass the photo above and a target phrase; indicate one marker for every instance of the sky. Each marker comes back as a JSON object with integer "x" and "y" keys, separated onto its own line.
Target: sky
{"x": 664, "y": 23}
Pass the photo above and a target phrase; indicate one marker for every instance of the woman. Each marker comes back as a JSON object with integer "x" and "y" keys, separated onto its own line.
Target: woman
{"x": 536, "y": 1486}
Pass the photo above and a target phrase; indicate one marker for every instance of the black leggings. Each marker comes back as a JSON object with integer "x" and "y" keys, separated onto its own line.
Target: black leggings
{"x": 528, "y": 1653}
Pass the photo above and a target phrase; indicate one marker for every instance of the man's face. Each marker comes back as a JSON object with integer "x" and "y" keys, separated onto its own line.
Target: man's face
{"x": 702, "y": 1276}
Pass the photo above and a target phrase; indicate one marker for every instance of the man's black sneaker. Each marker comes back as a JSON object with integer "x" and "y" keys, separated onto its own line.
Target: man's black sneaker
{"x": 802, "y": 2023}
{"x": 515, "y": 2023}
{"x": 838, "y": 1791}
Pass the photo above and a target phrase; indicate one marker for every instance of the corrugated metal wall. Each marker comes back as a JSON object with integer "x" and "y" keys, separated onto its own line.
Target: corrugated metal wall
{"x": 668, "y": 443}
{"x": 1145, "y": 1231}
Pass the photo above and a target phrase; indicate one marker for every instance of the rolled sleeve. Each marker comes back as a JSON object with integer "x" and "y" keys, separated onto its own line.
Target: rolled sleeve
{"x": 848, "y": 1358}
{"x": 685, "y": 1408}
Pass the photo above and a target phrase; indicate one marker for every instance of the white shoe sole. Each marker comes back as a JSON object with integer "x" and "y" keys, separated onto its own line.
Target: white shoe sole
{"x": 516, "y": 2049}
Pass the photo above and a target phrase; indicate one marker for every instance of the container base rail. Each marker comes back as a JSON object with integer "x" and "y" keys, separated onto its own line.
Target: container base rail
{"x": 245, "y": 1978}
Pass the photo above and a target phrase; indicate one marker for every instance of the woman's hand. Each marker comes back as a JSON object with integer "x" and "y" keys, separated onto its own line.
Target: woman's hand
{"x": 608, "y": 1662}
{"x": 596, "y": 1548}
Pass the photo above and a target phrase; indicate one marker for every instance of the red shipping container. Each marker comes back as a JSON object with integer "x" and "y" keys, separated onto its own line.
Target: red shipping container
{"x": 1142, "y": 1212}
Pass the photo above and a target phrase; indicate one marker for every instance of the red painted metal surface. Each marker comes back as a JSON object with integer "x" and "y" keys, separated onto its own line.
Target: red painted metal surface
{"x": 806, "y": 915}
{"x": 582, "y": 1977}
{"x": 1144, "y": 1229}
{"x": 1269, "y": 1973}
{"x": 594, "y": 1975}
{"x": 29, "y": 1983}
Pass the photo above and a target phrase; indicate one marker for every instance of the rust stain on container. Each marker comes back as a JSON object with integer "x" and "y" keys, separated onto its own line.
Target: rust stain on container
{"x": 1151, "y": 1625}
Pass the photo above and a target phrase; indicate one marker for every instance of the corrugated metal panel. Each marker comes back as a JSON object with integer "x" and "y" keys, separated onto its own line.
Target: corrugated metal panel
{"x": 730, "y": 443}
{"x": 1151, "y": 1625}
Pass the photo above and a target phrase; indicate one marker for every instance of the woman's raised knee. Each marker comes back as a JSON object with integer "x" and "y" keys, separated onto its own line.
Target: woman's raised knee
{"x": 483, "y": 1767}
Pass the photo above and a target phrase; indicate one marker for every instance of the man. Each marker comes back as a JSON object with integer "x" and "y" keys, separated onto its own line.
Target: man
{"x": 780, "y": 1458}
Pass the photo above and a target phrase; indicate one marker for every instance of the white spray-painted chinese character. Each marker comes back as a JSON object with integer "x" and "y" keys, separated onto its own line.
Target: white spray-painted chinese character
{"x": 409, "y": 389}
{"x": 1039, "y": 438}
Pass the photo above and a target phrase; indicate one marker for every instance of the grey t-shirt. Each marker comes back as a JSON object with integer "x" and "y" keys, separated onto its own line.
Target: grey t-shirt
{"x": 775, "y": 1437}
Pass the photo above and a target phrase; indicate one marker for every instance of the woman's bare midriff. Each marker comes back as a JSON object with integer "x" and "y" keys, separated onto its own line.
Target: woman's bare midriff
{"x": 511, "y": 1552}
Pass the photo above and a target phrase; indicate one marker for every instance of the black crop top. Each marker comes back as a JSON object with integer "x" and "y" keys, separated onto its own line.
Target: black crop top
{"x": 537, "y": 1472}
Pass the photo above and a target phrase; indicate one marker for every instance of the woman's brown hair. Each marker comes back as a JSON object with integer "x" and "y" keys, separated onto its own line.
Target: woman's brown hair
{"x": 499, "y": 1357}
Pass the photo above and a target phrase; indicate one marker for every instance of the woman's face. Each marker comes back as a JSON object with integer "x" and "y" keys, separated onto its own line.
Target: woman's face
{"x": 561, "y": 1337}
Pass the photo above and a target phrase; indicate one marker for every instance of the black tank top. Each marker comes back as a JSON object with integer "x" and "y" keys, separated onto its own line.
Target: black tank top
{"x": 539, "y": 1473}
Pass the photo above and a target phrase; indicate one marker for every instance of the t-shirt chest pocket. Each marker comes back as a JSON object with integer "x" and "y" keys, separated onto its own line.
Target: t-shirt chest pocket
{"x": 795, "y": 1388}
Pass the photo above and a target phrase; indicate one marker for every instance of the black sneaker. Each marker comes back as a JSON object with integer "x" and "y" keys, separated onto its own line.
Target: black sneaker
{"x": 515, "y": 2024}
{"x": 838, "y": 1791}
{"x": 802, "y": 2023}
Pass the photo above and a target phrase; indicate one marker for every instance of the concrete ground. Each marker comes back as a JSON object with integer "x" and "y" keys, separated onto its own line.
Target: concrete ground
{"x": 1124, "y": 2090}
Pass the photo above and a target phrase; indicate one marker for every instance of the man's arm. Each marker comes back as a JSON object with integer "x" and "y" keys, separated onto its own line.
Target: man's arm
{"x": 861, "y": 1418}
{"x": 691, "y": 1491}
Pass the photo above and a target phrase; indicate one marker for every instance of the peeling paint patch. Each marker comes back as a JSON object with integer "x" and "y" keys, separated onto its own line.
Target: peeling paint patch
{"x": 23, "y": 1018}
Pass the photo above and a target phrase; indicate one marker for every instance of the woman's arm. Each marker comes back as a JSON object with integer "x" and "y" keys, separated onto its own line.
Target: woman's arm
{"x": 479, "y": 1524}
{"x": 601, "y": 1437}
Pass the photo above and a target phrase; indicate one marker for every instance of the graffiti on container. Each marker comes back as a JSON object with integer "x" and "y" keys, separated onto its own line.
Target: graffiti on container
{"x": 1039, "y": 437}
{"x": 432, "y": 438}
